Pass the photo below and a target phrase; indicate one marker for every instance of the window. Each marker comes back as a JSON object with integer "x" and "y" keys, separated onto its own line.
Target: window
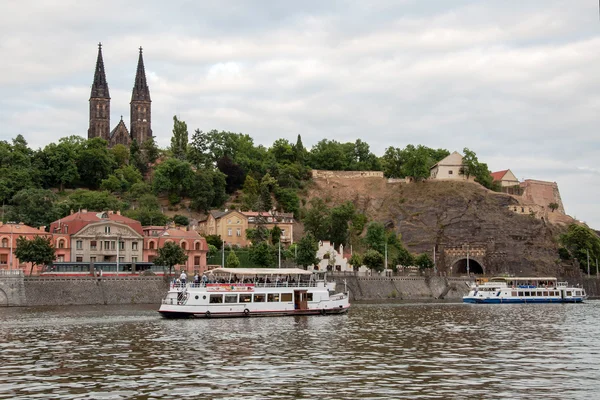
{"x": 5, "y": 242}
{"x": 231, "y": 298}
{"x": 245, "y": 298}
{"x": 79, "y": 244}
{"x": 79, "y": 259}
{"x": 60, "y": 258}
{"x": 545, "y": 293}
{"x": 450, "y": 172}
{"x": 61, "y": 244}
{"x": 521, "y": 294}
{"x": 197, "y": 246}
{"x": 283, "y": 232}
{"x": 273, "y": 297}
{"x": 238, "y": 232}
{"x": 93, "y": 245}
{"x": 184, "y": 245}
{"x": 216, "y": 298}
{"x": 112, "y": 244}
{"x": 121, "y": 259}
{"x": 133, "y": 259}
{"x": 134, "y": 245}
{"x": 106, "y": 245}
{"x": 259, "y": 297}
{"x": 3, "y": 258}
{"x": 309, "y": 296}
{"x": 93, "y": 259}
{"x": 196, "y": 261}
{"x": 229, "y": 232}
{"x": 107, "y": 229}
{"x": 151, "y": 245}
{"x": 286, "y": 297}
{"x": 121, "y": 245}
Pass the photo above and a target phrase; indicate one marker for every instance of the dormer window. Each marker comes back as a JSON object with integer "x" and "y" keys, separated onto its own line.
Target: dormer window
{"x": 107, "y": 229}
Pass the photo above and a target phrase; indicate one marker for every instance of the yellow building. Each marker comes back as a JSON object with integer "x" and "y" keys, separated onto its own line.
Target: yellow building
{"x": 232, "y": 225}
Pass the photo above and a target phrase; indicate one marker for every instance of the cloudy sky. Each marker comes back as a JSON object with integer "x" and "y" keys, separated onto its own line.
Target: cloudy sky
{"x": 515, "y": 81}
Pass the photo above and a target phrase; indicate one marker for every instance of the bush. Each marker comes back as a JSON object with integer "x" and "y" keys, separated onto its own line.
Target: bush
{"x": 181, "y": 220}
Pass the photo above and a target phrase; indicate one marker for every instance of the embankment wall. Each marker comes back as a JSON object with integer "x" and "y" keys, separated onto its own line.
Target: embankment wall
{"x": 90, "y": 291}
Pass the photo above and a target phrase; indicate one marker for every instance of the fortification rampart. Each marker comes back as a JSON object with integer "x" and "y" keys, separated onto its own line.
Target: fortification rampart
{"x": 541, "y": 193}
{"x": 324, "y": 174}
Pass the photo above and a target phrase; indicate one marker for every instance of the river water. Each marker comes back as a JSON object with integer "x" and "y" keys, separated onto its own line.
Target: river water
{"x": 377, "y": 351}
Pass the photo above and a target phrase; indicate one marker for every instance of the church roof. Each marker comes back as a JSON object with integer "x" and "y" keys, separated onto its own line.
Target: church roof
{"x": 100, "y": 87}
{"x": 140, "y": 88}
{"x": 120, "y": 127}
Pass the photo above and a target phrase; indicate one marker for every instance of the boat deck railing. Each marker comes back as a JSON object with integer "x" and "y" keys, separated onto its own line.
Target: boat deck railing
{"x": 240, "y": 285}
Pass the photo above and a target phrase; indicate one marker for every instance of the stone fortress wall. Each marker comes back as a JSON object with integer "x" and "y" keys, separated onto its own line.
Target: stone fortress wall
{"x": 323, "y": 174}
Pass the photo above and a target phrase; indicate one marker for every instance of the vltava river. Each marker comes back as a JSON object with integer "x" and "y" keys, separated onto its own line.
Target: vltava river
{"x": 377, "y": 351}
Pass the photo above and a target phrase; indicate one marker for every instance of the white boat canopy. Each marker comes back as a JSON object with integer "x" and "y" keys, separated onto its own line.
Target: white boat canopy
{"x": 261, "y": 271}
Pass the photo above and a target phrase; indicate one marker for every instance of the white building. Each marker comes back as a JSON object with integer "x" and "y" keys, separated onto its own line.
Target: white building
{"x": 448, "y": 168}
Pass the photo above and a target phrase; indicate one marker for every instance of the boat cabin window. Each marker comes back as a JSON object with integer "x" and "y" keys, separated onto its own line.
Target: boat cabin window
{"x": 545, "y": 294}
{"x": 514, "y": 294}
{"x": 215, "y": 298}
{"x": 309, "y": 297}
{"x": 526, "y": 294}
{"x": 231, "y": 298}
{"x": 245, "y": 298}
{"x": 521, "y": 294}
{"x": 286, "y": 297}
{"x": 569, "y": 293}
{"x": 259, "y": 297}
{"x": 273, "y": 297}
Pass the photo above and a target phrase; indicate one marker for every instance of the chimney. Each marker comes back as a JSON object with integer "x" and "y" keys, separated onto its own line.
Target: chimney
{"x": 118, "y": 212}
{"x": 110, "y": 212}
{"x": 84, "y": 211}
{"x": 72, "y": 212}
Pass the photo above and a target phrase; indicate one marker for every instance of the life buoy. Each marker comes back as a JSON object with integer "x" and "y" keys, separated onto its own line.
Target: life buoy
{"x": 207, "y": 314}
{"x": 323, "y": 312}
{"x": 246, "y": 312}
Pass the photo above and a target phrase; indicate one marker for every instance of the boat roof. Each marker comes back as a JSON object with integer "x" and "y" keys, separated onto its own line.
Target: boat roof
{"x": 262, "y": 271}
{"x": 522, "y": 278}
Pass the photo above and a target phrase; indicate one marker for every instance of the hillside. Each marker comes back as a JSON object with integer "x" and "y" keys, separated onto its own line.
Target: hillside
{"x": 451, "y": 215}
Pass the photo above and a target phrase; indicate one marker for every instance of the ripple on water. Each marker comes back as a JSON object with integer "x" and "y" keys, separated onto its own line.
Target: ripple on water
{"x": 376, "y": 351}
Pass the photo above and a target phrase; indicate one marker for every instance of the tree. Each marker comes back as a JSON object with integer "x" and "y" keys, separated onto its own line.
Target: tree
{"x": 59, "y": 167}
{"x": 300, "y": 151}
{"x": 307, "y": 251}
{"x": 262, "y": 254}
{"x": 214, "y": 240}
{"x": 376, "y": 237}
{"x": 553, "y": 206}
{"x": 91, "y": 200}
{"x": 472, "y": 167}
{"x": 232, "y": 260}
{"x": 170, "y": 255}
{"x": 275, "y": 235}
{"x": 404, "y": 258}
{"x": 37, "y": 251}
{"x": 316, "y": 219}
{"x": 34, "y": 207}
{"x": 174, "y": 177}
{"x": 179, "y": 140}
{"x": 94, "y": 162}
{"x": 356, "y": 261}
{"x": 208, "y": 190}
{"x": 181, "y": 220}
{"x": 287, "y": 201}
{"x": 373, "y": 260}
{"x": 234, "y": 174}
{"x": 340, "y": 218}
{"x": 416, "y": 162}
{"x": 580, "y": 241}
{"x": 423, "y": 261}
{"x": 251, "y": 190}
{"x": 121, "y": 154}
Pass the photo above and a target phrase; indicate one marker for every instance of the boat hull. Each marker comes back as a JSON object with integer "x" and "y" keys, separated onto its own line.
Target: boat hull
{"x": 274, "y": 313}
{"x": 518, "y": 301}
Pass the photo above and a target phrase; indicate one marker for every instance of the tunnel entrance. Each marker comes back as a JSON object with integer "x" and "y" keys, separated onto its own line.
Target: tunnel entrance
{"x": 460, "y": 267}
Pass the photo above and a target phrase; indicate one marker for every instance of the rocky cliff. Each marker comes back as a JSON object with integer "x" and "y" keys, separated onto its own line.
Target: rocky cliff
{"x": 462, "y": 220}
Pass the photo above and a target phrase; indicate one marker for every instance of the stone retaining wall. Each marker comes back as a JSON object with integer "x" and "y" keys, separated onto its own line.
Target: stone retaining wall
{"x": 90, "y": 291}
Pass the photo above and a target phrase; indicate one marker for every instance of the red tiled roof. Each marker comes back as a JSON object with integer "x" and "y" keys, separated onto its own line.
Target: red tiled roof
{"x": 16, "y": 229}
{"x": 498, "y": 175}
{"x": 81, "y": 219}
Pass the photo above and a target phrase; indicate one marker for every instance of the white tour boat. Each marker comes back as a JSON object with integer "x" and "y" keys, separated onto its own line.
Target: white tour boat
{"x": 524, "y": 290}
{"x": 246, "y": 292}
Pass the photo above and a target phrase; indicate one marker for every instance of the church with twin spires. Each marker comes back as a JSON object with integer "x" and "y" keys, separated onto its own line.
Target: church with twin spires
{"x": 139, "y": 114}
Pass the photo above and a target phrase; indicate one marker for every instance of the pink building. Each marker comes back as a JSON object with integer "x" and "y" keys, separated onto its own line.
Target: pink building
{"x": 9, "y": 233}
{"x": 194, "y": 245}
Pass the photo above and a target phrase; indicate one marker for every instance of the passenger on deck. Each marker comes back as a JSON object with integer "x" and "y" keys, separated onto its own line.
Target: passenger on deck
{"x": 183, "y": 277}
{"x": 196, "y": 279}
{"x": 204, "y": 279}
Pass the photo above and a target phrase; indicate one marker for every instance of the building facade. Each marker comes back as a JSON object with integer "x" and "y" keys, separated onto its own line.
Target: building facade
{"x": 195, "y": 246}
{"x": 448, "y": 168}
{"x": 232, "y": 225}
{"x": 140, "y": 111}
{"x": 9, "y": 233}
{"x": 506, "y": 178}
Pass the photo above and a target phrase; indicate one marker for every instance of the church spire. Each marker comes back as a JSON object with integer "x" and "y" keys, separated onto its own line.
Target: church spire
{"x": 140, "y": 89}
{"x": 100, "y": 87}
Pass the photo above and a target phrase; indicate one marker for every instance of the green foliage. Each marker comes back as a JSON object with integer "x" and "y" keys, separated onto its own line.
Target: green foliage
{"x": 413, "y": 162}
{"x": 173, "y": 176}
{"x": 181, "y": 220}
{"x": 262, "y": 254}
{"x": 121, "y": 154}
{"x": 94, "y": 162}
{"x": 234, "y": 174}
{"x": 404, "y": 258}
{"x": 553, "y": 206}
{"x": 578, "y": 241}
{"x": 214, "y": 240}
{"x": 340, "y": 217}
{"x": 179, "y": 140}
{"x": 38, "y": 251}
{"x": 137, "y": 190}
{"x": 376, "y": 237}
{"x": 57, "y": 164}
{"x": 373, "y": 260}
{"x": 472, "y": 167}
{"x": 307, "y": 251}
{"x": 251, "y": 190}
{"x": 316, "y": 219}
{"x": 91, "y": 200}
{"x": 232, "y": 260}
{"x": 147, "y": 217}
{"x": 564, "y": 253}
{"x": 170, "y": 255}
{"x": 33, "y": 207}
{"x": 212, "y": 251}
{"x": 356, "y": 261}
{"x": 275, "y": 235}
{"x": 208, "y": 190}
{"x": 423, "y": 261}
{"x": 287, "y": 201}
